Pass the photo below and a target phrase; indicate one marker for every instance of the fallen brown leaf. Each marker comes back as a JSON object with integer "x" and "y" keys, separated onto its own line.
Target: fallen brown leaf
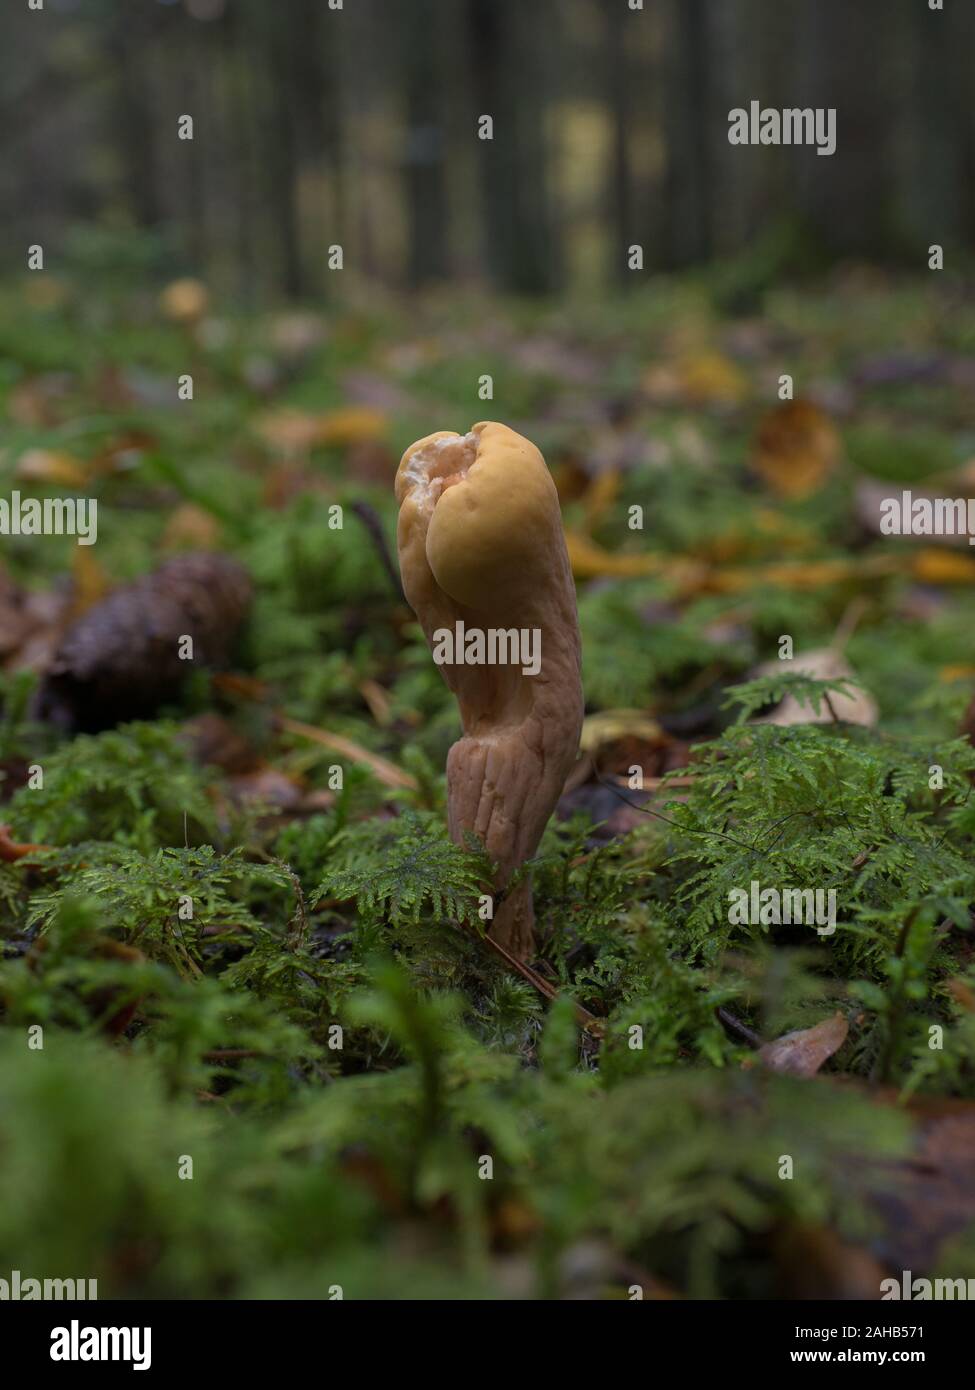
{"x": 90, "y": 582}
{"x": 352, "y": 424}
{"x": 266, "y": 786}
{"x": 38, "y": 401}
{"x": 931, "y": 566}
{"x": 184, "y": 301}
{"x": 962, "y": 995}
{"x": 823, "y": 663}
{"x": 814, "y": 1262}
{"x": 796, "y": 449}
{"x": 296, "y": 431}
{"x": 191, "y": 528}
{"x": 699, "y": 378}
{"x": 10, "y": 852}
{"x": 213, "y": 741}
{"x": 610, "y": 725}
{"x": 803, "y": 1052}
{"x": 52, "y": 466}
{"x": 928, "y": 1198}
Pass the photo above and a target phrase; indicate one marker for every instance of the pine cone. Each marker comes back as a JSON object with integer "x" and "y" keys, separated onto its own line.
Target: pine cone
{"x": 121, "y": 660}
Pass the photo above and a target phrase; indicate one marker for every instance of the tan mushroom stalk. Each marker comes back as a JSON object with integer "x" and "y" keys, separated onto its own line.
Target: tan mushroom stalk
{"x": 481, "y": 544}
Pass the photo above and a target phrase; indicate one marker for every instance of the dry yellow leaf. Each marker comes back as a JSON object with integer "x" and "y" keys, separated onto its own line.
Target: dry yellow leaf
{"x": 661, "y": 383}
{"x": 799, "y": 575}
{"x": 958, "y": 672}
{"x": 709, "y": 378}
{"x": 90, "y": 581}
{"x": 600, "y": 496}
{"x": 52, "y": 466}
{"x": 191, "y": 528}
{"x": 931, "y": 566}
{"x": 771, "y": 522}
{"x": 45, "y": 291}
{"x": 297, "y": 431}
{"x": 288, "y": 431}
{"x": 184, "y": 301}
{"x": 350, "y": 425}
{"x": 610, "y": 725}
{"x": 592, "y": 561}
{"x": 796, "y": 449}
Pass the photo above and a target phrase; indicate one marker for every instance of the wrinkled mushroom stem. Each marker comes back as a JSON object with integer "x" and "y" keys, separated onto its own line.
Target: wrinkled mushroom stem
{"x": 481, "y": 544}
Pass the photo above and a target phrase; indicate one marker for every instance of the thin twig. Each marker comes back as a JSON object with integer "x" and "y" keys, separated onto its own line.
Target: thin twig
{"x": 593, "y": 1025}
{"x": 849, "y": 623}
{"x": 387, "y": 772}
{"x": 736, "y": 1029}
{"x": 829, "y": 705}
{"x": 687, "y": 829}
{"x": 371, "y": 521}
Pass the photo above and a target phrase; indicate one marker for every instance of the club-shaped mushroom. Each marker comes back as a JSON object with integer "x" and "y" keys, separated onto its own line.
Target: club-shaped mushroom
{"x": 482, "y": 553}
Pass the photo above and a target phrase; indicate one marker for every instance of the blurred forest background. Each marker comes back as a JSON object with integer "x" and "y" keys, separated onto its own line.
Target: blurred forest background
{"x": 316, "y": 126}
{"x": 186, "y": 359}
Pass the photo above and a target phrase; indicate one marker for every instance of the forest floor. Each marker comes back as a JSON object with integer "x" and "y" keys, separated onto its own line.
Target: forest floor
{"x": 255, "y": 956}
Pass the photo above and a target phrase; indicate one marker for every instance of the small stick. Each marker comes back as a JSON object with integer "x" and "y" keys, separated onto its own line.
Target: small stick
{"x": 593, "y": 1025}
{"x": 387, "y": 772}
{"x": 736, "y": 1029}
{"x": 370, "y": 519}
{"x": 849, "y": 623}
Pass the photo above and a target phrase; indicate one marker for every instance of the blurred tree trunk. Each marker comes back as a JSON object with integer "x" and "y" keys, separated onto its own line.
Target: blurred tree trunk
{"x": 940, "y": 122}
{"x": 961, "y": 30}
{"x": 426, "y": 64}
{"x": 510, "y": 82}
{"x": 308, "y": 130}
{"x": 185, "y": 153}
{"x": 619, "y": 29}
{"x": 359, "y": 127}
{"x": 136, "y": 123}
{"x": 242, "y": 153}
{"x": 272, "y": 47}
{"x": 334, "y": 58}
{"x": 849, "y": 197}
{"x": 688, "y": 181}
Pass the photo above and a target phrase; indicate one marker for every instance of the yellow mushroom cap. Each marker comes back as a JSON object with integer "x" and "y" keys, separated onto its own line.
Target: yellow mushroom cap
{"x": 493, "y": 511}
